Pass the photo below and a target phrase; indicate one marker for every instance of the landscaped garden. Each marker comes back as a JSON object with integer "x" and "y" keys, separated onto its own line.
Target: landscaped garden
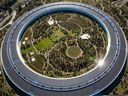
{"x": 63, "y": 45}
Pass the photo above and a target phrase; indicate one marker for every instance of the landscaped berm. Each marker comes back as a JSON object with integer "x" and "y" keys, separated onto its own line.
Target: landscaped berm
{"x": 63, "y": 45}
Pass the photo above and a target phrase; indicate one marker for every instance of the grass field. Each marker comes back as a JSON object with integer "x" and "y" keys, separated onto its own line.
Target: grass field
{"x": 57, "y": 34}
{"x": 44, "y": 44}
{"x": 27, "y": 50}
{"x": 73, "y": 51}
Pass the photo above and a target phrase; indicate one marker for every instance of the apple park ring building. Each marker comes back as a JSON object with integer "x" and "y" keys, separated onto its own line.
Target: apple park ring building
{"x": 91, "y": 83}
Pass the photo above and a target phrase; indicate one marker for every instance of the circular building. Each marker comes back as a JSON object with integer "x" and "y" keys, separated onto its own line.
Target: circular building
{"x": 31, "y": 83}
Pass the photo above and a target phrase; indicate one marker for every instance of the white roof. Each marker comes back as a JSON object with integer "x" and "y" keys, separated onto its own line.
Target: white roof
{"x": 23, "y": 42}
{"x": 85, "y": 36}
{"x": 50, "y": 21}
{"x": 26, "y": 38}
{"x": 33, "y": 59}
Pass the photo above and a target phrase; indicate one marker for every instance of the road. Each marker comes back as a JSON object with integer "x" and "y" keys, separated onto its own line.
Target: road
{"x": 119, "y": 3}
{"x": 11, "y": 20}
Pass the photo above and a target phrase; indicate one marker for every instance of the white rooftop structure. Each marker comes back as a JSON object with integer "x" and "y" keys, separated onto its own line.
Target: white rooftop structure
{"x": 85, "y": 36}
{"x": 50, "y": 21}
{"x": 31, "y": 53}
{"x": 33, "y": 59}
{"x": 26, "y": 38}
{"x": 23, "y": 42}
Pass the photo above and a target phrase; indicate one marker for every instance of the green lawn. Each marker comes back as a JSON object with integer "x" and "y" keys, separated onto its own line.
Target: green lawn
{"x": 27, "y": 50}
{"x": 44, "y": 43}
{"x": 57, "y": 34}
{"x": 70, "y": 33}
{"x": 91, "y": 58}
{"x": 28, "y": 34}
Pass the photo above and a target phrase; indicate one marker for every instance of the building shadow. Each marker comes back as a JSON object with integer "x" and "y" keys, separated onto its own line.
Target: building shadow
{"x": 16, "y": 89}
{"x": 110, "y": 88}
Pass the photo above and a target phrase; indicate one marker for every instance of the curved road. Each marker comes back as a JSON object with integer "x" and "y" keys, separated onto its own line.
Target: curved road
{"x": 90, "y": 83}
